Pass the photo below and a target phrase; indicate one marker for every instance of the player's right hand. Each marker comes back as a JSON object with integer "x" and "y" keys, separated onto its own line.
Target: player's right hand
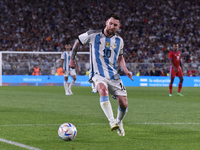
{"x": 72, "y": 63}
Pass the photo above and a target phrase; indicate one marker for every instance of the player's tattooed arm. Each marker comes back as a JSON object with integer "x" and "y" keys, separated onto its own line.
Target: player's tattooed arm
{"x": 72, "y": 62}
{"x": 75, "y": 49}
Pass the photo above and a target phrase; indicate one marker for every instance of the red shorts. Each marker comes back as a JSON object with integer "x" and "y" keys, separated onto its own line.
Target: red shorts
{"x": 172, "y": 72}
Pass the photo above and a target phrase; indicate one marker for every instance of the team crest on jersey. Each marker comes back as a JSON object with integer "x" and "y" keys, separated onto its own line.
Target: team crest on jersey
{"x": 107, "y": 44}
{"x": 114, "y": 45}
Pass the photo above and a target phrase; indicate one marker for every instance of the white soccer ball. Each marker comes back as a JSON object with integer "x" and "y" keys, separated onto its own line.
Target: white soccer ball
{"x": 67, "y": 131}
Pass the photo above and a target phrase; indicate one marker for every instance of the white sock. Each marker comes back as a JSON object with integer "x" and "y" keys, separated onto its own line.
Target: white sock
{"x": 106, "y": 107}
{"x": 92, "y": 86}
{"x": 121, "y": 114}
{"x": 71, "y": 84}
{"x": 65, "y": 86}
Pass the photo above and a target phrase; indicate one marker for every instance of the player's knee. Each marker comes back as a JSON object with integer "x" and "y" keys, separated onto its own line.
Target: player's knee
{"x": 103, "y": 91}
{"x": 74, "y": 77}
{"x": 123, "y": 104}
{"x": 181, "y": 80}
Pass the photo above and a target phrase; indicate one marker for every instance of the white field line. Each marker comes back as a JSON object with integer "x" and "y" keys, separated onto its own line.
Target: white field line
{"x": 18, "y": 144}
{"x": 165, "y": 123}
{"x": 145, "y": 123}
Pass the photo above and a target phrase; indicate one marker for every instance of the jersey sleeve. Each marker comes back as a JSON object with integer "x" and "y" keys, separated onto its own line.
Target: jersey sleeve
{"x": 84, "y": 38}
{"x": 170, "y": 55}
{"x": 121, "y": 48}
{"x": 62, "y": 56}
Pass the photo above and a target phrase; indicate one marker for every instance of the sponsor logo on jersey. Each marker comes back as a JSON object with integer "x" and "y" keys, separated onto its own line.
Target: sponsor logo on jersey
{"x": 107, "y": 44}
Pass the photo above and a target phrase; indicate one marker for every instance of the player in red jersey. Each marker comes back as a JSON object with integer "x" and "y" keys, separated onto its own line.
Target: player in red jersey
{"x": 175, "y": 69}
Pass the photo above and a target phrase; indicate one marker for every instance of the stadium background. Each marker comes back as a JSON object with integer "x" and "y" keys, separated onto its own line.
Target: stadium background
{"x": 149, "y": 28}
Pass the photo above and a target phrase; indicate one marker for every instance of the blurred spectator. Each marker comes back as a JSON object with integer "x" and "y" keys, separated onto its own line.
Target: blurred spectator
{"x": 149, "y": 73}
{"x": 153, "y": 72}
{"x": 13, "y": 71}
{"x": 30, "y": 71}
{"x": 87, "y": 72}
{"x": 157, "y": 72}
{"x": 194, "y": 74}
{"x": 194, "y": 64}
{"x": 140, "y": 73}
{"x": 36, "y": 71}
{"x": 60, "y": 71}
{"x": 189, "y": 72}
{"x": 148, "y": 27}
{"x": 163, "y": 72}
{"x": 121, "y": 72}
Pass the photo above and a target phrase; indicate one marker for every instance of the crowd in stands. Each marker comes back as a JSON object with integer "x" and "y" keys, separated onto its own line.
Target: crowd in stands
{"x": 148, "y": 27}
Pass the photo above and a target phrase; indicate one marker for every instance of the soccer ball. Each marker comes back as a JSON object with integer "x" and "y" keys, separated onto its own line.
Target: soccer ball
{"x": 67, "y": 131}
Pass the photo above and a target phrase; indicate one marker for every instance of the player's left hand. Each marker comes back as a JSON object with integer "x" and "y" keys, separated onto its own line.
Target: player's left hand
{"x": 129, "y": 74}
{"x": 72, "y": 63}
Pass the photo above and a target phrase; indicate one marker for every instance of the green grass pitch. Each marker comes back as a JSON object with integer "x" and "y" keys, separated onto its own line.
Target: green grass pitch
{"x": 32, "y": 115}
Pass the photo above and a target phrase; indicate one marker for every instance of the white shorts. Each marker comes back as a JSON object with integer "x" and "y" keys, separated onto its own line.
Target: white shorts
{"x": 115, "y": 87}
{"x": 71, "y": 72}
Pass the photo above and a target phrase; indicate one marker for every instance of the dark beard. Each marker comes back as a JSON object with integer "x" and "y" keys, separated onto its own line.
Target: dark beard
{"x": 109, "y": 34}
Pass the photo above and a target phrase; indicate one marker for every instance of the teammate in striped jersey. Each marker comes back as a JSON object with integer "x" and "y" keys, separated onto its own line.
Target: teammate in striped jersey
{"x": 106, "y": 48}
{"x": 65, "y": 58}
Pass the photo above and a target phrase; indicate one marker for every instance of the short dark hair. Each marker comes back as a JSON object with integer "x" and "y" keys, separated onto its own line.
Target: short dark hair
{"x": 115, "y": 16}
{"x": 176, "y": 44}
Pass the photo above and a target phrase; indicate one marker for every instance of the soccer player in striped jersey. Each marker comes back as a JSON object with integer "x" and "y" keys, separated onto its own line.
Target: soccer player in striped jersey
{"x": 175, "y": 69}
{"x": 65, "y": 58}
{"x": 106, "y": 48}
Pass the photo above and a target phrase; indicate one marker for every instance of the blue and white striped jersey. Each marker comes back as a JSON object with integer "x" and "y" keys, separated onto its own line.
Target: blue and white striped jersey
{"x": 104, "y": 52}
{"x": 66, "y": 56}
